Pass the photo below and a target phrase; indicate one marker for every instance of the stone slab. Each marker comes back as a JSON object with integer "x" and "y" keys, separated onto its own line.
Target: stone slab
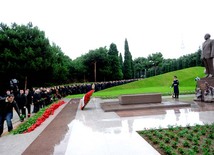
{"x": 140, "y": 98}
{"x": 116, "y": 106}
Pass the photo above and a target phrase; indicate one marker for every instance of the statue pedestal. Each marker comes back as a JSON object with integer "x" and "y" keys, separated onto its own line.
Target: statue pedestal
{"x": 206, "y": 86}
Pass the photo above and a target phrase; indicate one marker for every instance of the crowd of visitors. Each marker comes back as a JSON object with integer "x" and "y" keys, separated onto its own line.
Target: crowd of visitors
{"x": 22, "y": 100}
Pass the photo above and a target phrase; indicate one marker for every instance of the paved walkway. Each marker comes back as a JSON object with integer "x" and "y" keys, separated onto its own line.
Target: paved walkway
{"x": 95, "y": 132}
{"x": 17, "y": 144}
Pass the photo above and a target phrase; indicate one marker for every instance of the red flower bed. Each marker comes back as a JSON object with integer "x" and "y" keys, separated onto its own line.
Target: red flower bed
{"x": 46, "y": 114}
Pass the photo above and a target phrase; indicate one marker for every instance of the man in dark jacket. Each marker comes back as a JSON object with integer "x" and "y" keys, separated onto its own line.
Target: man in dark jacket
{"x": 36, "y": 101}
{"x": 21, "y": 100}
{"x": 6, "y": 112}
{"x": 29, "y": 96}
{"x": 175, "y": 84}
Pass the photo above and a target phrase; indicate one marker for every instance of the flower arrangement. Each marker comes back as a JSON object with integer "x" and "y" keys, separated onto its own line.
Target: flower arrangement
{"x": 86, "y": 99}
{"x": 35, "y": 121}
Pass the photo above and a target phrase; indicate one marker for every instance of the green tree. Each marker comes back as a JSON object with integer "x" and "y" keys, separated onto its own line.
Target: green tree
{"x": 140, "y": 66}
{"x": 97, "y": 64}
{"x": 26, "y": 52}
{"x": 121, "y": 64}
{"x": 198, "y": 57}
{"x": 79, "y": 70}
{"x": 155, "y": 61}
{"x": 60, "y": 65}
{"x": 114, "y": 64}
{"x": 128, "y": 64}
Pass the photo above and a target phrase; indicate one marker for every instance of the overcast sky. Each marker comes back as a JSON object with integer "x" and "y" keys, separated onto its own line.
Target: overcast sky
{"x": 172, "y": 27}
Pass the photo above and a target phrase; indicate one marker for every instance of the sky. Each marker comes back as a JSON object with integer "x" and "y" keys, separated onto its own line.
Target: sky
{"x": 172, "y": 27}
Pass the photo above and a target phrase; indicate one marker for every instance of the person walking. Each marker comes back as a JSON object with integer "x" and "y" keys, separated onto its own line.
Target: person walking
{"x": 21, "y": 100}
{"x": 175, "y": 85}
{"x": 29, "y": 97}
{"x": 36, "y": 101}
{"x": 6, "y": 112}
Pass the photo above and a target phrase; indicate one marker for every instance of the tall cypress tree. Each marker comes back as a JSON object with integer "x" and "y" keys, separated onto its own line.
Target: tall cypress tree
{"x": 127, "y": 65}
{"x": 121, "y": 65}
{"x": 114, "y": 63}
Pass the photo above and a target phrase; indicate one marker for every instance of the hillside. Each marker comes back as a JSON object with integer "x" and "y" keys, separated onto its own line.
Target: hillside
{"x": 157, "y": 84}
{"x": 186, "y": 77}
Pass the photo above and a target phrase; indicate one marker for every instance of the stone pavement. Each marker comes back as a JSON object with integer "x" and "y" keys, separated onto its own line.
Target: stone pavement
{"x": 95, "y": 132}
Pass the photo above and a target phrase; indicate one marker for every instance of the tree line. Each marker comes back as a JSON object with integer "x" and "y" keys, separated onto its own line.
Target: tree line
{"x": 27, "y": 55}
{"x": 155, "y": 64}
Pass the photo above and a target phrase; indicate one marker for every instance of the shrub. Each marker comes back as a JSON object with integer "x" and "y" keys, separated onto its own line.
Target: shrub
{"x": 186, "y": 144}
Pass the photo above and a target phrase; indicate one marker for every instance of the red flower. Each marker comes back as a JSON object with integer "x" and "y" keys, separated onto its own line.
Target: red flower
{"x": 46, "y": 114}
{"x": 87, "y": 98}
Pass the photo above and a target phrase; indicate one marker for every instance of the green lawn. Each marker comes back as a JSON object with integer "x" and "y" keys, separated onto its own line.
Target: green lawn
{"x": 157, "y": 84}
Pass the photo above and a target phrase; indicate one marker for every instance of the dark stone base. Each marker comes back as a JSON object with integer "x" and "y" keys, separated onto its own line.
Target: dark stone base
{"x": 201, "y": 82}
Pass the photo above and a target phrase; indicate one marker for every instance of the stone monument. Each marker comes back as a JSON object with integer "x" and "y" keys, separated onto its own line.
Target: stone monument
{"x": 207, "y": 55}
{"x": 205, "y": 86}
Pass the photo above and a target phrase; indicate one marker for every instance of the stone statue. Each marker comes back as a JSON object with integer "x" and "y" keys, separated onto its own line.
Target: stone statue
{"x": 207, "y": 55}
